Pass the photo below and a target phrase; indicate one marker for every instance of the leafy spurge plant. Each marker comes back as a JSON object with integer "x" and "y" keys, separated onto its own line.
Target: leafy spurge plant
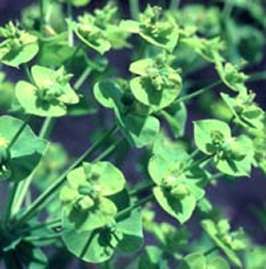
{"x": 135, "y": 192}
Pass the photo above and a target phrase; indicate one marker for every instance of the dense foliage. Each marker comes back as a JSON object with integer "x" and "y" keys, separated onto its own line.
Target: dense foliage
{"x": 67, "y": 59}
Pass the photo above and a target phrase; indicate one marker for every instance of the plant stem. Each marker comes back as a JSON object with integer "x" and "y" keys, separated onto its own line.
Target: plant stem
{"x": 134, "y": 9}
{"x": 52, "y": 189}
{"x": 210, "y": 251}
{"x": 257, "y": 76}
{"x": 42, "y": 12}
{"x": 174, "y": 4}
{"x": 137, "y": 191}
{"x": 46, "y": 128}
{"x": 70, "y": 31}
{"x": 18, "y": 133}
{"x": 198, "y": 92}
{"x": 84, "y": 75}
{"x": 42, "y": 238}
{"x": 13, "y": 189}
{"x": 24, "y": 186}
{"x": 228, "y": 8}
{"x": 108, "y": 151}
{"x": 139, "y": 203}
{"x": 50, "y": 224}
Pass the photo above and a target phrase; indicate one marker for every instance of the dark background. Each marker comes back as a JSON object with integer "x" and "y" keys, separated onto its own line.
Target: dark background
{"x": 236, "y": 198}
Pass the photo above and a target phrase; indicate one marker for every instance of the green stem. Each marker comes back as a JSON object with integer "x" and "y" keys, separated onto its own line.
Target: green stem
{"x": 70, "y": 31}
{"x": 46, "y": 128}
{"x": 79, "y": 82}
{"x": 139, "y": 203}
{"x": 108, "y": 151}
{"x": 50, "y": 224}
{"x": 24, "y": 186}
{"x": 21, "y": 193}
{"x": 210, "y": 251}
{"x": 18, "y": 133}
{"x": 42, "y": 238}
{"x": 257, "y": 76}
{"x": 134, "y": 9}
{"x": 174, "y": 4}
{"x": 13, "y": 189}
{"x": 52, "y": 189}
{"x": 198, "y": 92}
{"x": 228, "y": 8}
{"x": 139, "y": 190}
{"x": 42, "y": 12}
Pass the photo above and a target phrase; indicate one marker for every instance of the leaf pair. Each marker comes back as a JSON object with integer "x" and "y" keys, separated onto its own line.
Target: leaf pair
{"x": 85, "y": 197}
{"x": 177, "y": 188}
{"x": 157, "y": 84}
{"x": 157, "y": 30}
{"x": 232, "y": 155}
{"x": 100, "y": 31}
{"x": 18, "y": 46}
{"x": 245, "y": 111}
{"x": 49, "y": 93}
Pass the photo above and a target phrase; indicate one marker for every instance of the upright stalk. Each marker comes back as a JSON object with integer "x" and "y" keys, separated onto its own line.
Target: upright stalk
{"x": 174, "y": 4}
{"x": 70, "y": 31}
{"x": 134, "y": 9}
{"x": 46, "y": 128}
{"x": 198, "y": 92}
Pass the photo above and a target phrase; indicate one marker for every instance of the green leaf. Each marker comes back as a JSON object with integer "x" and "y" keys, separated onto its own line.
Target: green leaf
{"x": 49, "y": 95}
{"x": 147, "y": 94}
{"x": 99, "y": 245}
{"x": 179, "y": 208}
{"x": 246, "y": 113}
{"x": 158, "y": 30}
{"x": 24, "y": 55}
{"x": 176, "y": 118}
{"x": 26, "y": 95}
{"x": 108, "y": 94}
{"x": 84, "y": 197}
{"x": 239, "y": 162}
{"x": 111, "y": 180}
{"x": 131, "y": 228}
{"x": 96, "y": 246}
{"x": 231, "y": 76}
{"x": 98, "y": 216}
{"x": 18, "y": 46}
{"x": 209, "y": 49}
{"x": 140, "y": 67}
{"x": 55, "y": 52}
{"x": 204, "y": 131}
{"x": 101, "y": 45}
{"x": 140, "y": 130}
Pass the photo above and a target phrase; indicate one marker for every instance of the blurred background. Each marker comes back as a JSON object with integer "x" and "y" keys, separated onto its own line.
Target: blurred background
{"x": 238, "y": 199}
